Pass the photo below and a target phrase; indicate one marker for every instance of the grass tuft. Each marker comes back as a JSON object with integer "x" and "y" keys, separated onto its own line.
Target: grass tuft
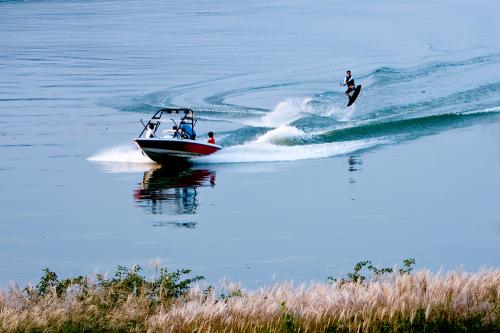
{"x": 389, "y": 300}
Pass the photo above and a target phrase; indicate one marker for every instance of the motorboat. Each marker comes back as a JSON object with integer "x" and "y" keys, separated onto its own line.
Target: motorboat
{"x": 176, "y": 144}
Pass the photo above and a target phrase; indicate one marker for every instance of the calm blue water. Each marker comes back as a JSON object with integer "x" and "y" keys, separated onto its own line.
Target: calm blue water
{"x": 304, "y": 187}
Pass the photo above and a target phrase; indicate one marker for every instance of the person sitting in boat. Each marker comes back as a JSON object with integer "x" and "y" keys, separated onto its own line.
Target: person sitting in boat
{"x": 211, "y": 138}
{"x": 188, "y": 131}
{"x": 150, "y": 132}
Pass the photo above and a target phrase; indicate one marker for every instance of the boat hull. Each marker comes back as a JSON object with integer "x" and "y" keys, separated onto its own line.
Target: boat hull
{"x": 168, "y": 150}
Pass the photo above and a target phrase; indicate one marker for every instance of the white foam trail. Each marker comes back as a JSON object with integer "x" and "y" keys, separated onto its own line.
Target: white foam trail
{"x": 294, "y": 108}
{"x": 280, "y": 135}
{"x": 342, "y": 114}
{"x": 284, "y": 113}
{"x": 123, "y": 154}
{"x": 487, "y": 110}
{"x": 346, "y": 115}
{"x": 271, "y": 146}
{"x": 267, "y": 152}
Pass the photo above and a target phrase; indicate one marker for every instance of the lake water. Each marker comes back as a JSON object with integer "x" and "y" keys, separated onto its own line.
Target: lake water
{"x": 304, "y": 187}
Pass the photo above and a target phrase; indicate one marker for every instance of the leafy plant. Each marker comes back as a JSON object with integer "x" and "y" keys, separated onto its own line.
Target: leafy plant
{"x": 357, "y": 277}
{"x": 407, "y": 266}
{"x": 289, "y": 324}
{"x": 125, "y": 282}
{"x": 232, "y": 293}
{"x": 50, "y": 282}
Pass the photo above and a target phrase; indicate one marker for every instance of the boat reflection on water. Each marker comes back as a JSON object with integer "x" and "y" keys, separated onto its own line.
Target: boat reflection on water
{"x": 172, "y": 192}
{"x": 355, "y": 164}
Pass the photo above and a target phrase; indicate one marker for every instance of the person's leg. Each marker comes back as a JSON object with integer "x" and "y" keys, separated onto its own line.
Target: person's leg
{"x": 348, "y": 91}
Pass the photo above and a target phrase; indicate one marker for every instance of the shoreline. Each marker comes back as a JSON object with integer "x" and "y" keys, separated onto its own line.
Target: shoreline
{"x": 174, "y": 302}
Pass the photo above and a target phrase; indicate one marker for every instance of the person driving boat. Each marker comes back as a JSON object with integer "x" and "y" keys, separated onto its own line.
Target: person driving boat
{"x": 188, "y": 131}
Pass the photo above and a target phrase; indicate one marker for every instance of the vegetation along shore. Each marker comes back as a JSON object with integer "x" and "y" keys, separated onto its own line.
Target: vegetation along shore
{"x": 367, "y": 300}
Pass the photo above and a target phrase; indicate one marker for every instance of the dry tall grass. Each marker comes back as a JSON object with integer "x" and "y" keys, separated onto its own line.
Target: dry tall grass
{"x": 420, "y": 301}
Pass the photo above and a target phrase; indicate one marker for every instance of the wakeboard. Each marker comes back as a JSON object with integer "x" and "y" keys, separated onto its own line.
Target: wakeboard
{"x": 354, "y": 95}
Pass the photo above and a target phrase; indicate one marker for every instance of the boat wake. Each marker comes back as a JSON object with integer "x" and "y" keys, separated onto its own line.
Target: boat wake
{"x": 289, "y": 143}
{"x": 268, "y": 152}
{"x": 121, "y": 153}
{"x": 396, "y": 105}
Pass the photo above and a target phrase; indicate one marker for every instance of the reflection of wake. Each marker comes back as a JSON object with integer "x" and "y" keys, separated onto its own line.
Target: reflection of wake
{"x": 172, "y": 192}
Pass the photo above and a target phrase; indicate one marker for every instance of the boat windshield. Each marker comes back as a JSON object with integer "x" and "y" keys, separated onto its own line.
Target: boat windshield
{"x": 183, "y": 129}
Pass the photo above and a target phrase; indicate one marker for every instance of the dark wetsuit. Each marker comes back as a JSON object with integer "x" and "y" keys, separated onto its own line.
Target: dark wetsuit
{"x": 349, "y": 82}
